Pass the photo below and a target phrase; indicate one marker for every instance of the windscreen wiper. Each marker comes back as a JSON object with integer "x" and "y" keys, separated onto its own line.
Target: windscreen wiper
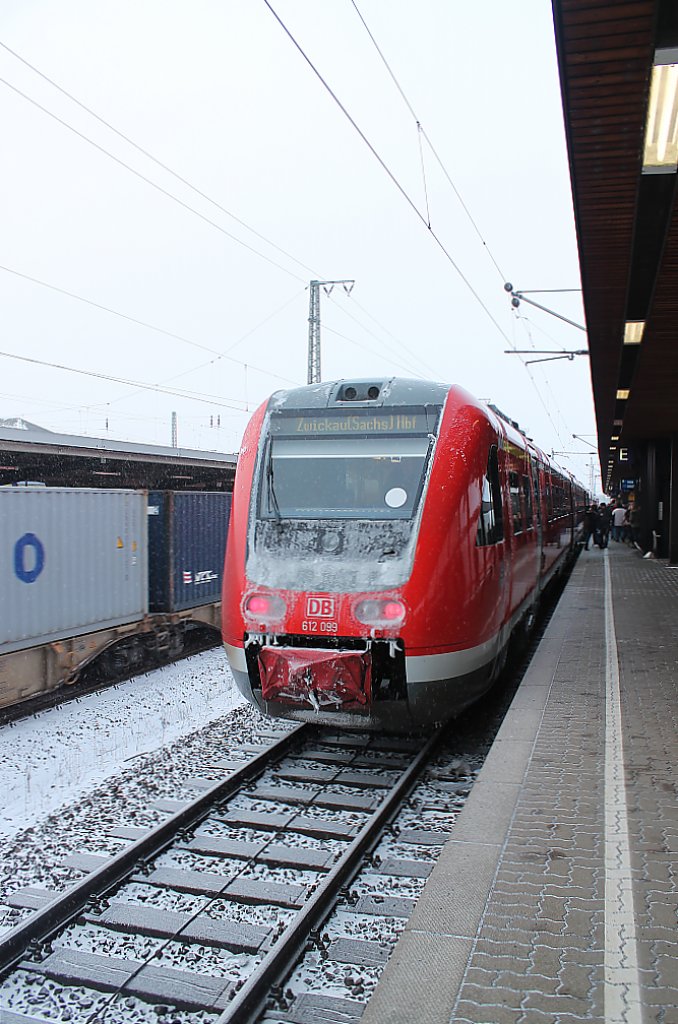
{"x": 272, "y": 498}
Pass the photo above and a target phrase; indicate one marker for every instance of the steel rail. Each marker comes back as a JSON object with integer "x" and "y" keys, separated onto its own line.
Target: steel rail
{"x": 249, "y": 1001}
{"x": 59, "y": 911}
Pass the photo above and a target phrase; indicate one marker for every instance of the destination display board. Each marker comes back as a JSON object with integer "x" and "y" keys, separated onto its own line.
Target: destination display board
{"x": 343, "y": 423}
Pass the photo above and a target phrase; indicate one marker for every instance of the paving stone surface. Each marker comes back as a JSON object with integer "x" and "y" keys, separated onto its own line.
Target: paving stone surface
{"x": 517, "y": 897}
{"x": 646, "y": 618}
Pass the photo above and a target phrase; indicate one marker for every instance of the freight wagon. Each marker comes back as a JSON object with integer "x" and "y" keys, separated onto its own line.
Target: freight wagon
{"x": 112, "y": 580}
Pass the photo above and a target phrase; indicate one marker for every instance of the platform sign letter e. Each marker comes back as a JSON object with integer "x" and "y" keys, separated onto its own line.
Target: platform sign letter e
{"x": 320, "y": 607}
{"x": 28, "y": 564}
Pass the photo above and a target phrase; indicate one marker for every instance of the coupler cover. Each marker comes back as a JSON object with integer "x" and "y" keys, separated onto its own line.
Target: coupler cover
{"x": 315, "y": 678}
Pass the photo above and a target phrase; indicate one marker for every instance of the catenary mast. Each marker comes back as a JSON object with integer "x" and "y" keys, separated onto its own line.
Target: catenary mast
{"x": 314, "y": 324}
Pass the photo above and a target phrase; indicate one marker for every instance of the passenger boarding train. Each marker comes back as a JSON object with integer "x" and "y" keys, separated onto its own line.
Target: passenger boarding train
{"x": 386, "y": 539}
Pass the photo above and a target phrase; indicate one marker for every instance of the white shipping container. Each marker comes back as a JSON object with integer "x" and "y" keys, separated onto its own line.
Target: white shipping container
{"x": 72, "y": 561}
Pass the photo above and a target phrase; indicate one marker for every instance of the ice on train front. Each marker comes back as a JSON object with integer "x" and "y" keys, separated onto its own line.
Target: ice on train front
{"x": 327, "y": 507}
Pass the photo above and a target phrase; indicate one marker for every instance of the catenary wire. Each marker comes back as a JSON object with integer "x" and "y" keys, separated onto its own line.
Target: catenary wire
{"x": 201, "y": 216}
{"x": 149, "y": 181}
{"x": 165, "y": 167}
{"x": 369, "y": 331}
{"x": 62, "y": 406}
{"x": 179, "y": 393}
{"x": 143, "y": 323}
{"x": 366, "y": 348}
{"x": 179, "y": 177}
{"x": 539, "y": 395}
{"x": 528, "y": 324}
{"x": 155, "y": 159}
{"x": 423, "y": 175}
{"x": 434, "y": 373}
{"x": 390, "y": 174}
{"x": 178, "y": 337}
{"x": 386, "y": 63}
{"x": 211, "y": 362}
{"x": 219, "y": 355}
{"x": 421, "y": 132}
{"x": 465, "y": 208}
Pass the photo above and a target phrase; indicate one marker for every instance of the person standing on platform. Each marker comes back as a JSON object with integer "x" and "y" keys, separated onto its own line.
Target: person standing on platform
{"x": 634, "y": 525}
{"x": 590, "y": 517}
{"x": 603, "y": 525}
{"x": 618, "y": 522}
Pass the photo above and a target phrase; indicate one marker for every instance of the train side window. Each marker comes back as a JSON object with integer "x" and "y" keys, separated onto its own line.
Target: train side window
{"x": 549, "y": 500}
{"x": 527, "y": 498}
{"x": 491, "y": 520}
{"x": 516, "y": 510}
{"x": 538, "y": 497}
{"x": 562, "y": 501}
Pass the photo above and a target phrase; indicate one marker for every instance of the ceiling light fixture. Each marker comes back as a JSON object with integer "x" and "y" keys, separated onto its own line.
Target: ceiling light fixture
{"x": 660, "y": 152}
{"x": 623, "y": 394}
{"x": 633, "y": 332}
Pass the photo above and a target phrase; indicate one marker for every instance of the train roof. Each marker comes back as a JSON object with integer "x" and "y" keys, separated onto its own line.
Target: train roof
{"x": 362, "y": 392}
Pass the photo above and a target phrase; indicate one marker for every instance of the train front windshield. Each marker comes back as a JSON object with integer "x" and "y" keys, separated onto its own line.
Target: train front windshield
{"x": 345, "y": 477}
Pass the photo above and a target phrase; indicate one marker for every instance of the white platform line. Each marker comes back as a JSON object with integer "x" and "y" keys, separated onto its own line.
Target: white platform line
{"x": 622, "y": 981}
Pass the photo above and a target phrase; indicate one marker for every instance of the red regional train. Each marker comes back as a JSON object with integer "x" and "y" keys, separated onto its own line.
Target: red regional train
{"x": 386, "y": 539}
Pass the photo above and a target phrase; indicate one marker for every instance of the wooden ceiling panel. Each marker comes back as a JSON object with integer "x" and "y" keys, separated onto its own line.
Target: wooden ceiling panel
{"x": 605, "y": 53}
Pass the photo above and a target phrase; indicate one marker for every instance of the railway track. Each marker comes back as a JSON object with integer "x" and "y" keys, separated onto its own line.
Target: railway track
{"x": 246, "y": 872}
{"x": 222, "y": 913}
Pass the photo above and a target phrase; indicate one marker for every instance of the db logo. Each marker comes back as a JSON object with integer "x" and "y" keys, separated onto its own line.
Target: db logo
{"x": 320, "y": 607}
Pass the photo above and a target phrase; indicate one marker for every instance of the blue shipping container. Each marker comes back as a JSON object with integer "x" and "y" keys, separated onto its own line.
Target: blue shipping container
{"x": 72, "y": 561}
{"x": 186, "y": 545}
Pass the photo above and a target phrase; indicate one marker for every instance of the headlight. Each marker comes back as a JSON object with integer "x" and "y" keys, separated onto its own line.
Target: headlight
{"x": 384, "y": 613}
{"x": 264, "y": 608}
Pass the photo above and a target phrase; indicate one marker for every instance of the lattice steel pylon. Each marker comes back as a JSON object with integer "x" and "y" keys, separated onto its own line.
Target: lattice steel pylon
{"x": 314, "y": 324}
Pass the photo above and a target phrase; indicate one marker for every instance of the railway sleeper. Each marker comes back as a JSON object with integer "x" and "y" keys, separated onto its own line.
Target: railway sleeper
{"x": 316, "y": 828}
{"x": 132, "y": 918}
{"x": 183, "y": 989}
{"x": 239, "y": 890}
{"x": 275, "y": 853}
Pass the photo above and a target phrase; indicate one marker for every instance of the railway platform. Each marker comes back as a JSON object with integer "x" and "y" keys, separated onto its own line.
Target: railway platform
{"x": 556, "y": 899}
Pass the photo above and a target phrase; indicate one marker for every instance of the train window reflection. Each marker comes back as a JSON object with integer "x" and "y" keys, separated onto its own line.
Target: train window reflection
{"x": 490, "y": 522}
{"x": 516, "y": 509}
{"x": 527, "y": 496}
{"x": 343, "y": 478}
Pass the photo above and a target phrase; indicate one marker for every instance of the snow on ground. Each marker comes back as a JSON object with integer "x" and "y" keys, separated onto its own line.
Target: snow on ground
{"x": 52, "y": 758}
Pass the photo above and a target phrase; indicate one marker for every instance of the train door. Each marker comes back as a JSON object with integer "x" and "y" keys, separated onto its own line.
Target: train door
{"x": 494, "y": 564}
{"x": 538, "y": 520}
{"x": 527, "y": 528}
{"x": 572, "y": 516}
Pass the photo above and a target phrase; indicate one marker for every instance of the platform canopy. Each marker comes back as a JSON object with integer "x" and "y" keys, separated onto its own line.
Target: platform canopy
{"x": 30, "y": 454}
{"x": 618, "y": 64}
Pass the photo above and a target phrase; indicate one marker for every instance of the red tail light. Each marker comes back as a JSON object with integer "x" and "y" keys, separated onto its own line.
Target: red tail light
{"x": 380, "y": 612}
{"x": 264, "y": 608}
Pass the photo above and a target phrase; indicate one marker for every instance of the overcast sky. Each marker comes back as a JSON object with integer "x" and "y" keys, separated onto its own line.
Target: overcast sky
{"x": 219, "y": 94}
